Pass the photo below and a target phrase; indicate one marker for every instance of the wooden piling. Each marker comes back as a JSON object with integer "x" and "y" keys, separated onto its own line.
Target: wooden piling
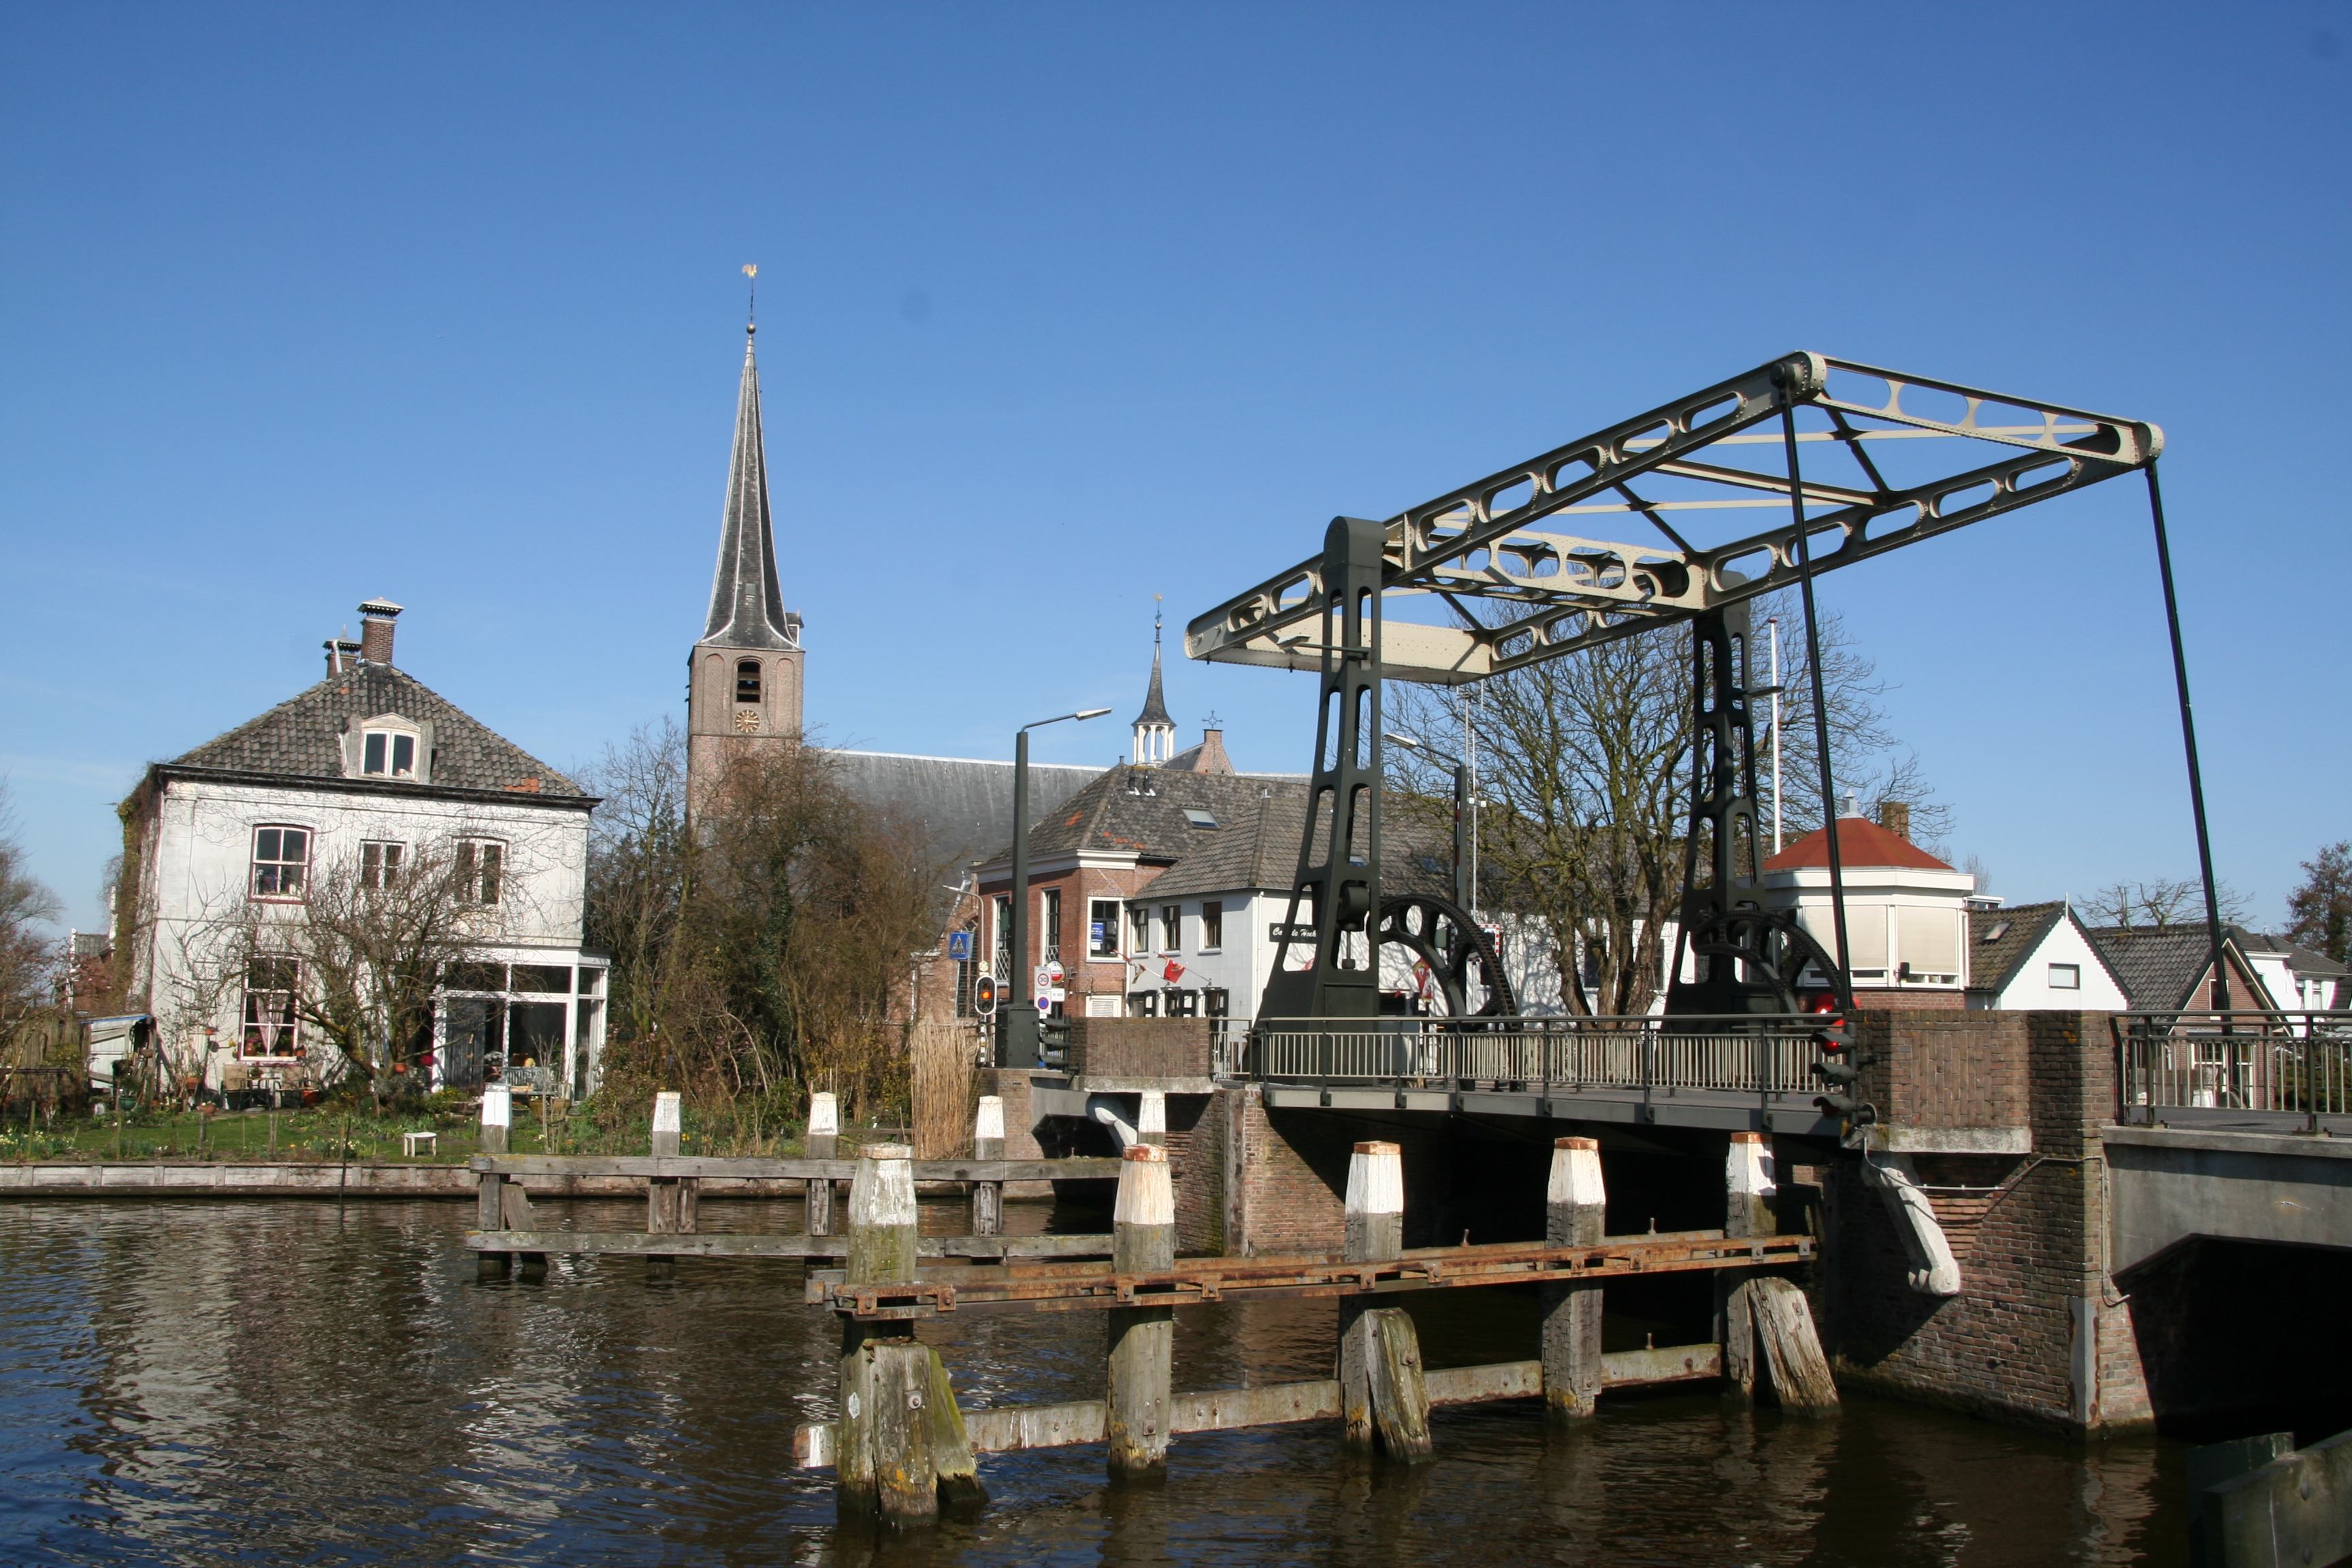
{"x": 823, "y": 1139}
{"x": 987, "y": 1143}
{"x": 1792, "y": 1351}
{"x": 1142, "y": 1339}
{"x": 1152, "y": 1118}
{"x": 1749, "y": 1191}
{"x": 489, "y": 1212}
{"x": 1399, "y": 1396}
{"x": 952, "y": 1460}
{"x": 498, "y": 1110}
{"x": 1576, "y": 1206}
{"x": 1375, "y": 1233}
{"x": 885, "y": 1463}
{"x": 669, "y": 1200}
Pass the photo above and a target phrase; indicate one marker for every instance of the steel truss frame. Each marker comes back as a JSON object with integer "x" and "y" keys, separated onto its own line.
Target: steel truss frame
{"x": 1479, "y": 541}
{"x": 1563, "y": 593}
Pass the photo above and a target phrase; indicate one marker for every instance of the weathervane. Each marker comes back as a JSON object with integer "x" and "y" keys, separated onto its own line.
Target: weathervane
{"x": 751, "y": 271}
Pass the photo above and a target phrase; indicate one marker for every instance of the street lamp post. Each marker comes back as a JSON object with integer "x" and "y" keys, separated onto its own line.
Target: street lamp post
{"x": 1016, "y": 1026}
{"x": 1465, "y": 847}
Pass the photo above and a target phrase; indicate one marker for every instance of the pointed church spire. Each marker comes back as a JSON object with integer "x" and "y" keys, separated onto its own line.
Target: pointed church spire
{"x": 747, "y": 607}
{"x": 1155, "y": 732}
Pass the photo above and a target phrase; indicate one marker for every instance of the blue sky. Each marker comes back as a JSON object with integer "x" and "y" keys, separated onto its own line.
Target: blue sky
{"x": 1065, "y": 306}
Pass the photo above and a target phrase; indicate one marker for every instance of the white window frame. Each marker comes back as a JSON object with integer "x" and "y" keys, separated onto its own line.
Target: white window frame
{"x": 2074, "y": 970}
{"x": 1107, "y": 948}
{"x": 292, "y": 1022}
{"x": 279, "y": 892}
{"x": 383, "y": 735}
{"x": 1212, "y": 925}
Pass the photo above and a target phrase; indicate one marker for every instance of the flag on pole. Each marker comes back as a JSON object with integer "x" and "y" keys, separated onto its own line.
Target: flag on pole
{"x": 1174, "y": 972}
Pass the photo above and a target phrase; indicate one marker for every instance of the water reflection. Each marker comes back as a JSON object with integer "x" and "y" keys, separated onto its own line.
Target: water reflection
{"x": 260, "y": 1382}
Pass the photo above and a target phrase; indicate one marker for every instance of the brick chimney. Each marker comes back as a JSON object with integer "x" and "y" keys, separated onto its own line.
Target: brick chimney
{"x": 375, "y": 630}
{"x": 1895, "y": 817}
{"x": 340, "y": 654}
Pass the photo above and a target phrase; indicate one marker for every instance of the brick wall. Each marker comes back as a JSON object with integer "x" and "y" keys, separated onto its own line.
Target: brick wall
{"x": 1012, "y": 1086}
{"x": 2035, "y": 1294}
{"x": 1934, "y": 1067}
{"x": 1139, "y": 1047}
{"x": 1250, "y": 1182}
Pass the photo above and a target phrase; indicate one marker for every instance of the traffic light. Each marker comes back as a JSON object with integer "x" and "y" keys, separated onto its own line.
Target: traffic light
{"x": 1838, "y": 1076}
{"x": 984, "y": 996}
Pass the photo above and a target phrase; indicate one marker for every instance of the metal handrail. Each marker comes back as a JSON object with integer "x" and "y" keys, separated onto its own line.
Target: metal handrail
{"x": 2271, "y": 1061}
{"x": 1767, "y": 1054}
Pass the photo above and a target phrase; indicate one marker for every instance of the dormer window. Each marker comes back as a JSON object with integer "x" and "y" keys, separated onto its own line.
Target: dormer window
{"x": 747, "y": 680}
{"x": 386, "y": 755}
{"x": 389, "y": 747}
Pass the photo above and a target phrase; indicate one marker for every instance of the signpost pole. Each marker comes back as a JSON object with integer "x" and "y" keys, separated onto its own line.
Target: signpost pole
{"x": 1016, "y": 1030}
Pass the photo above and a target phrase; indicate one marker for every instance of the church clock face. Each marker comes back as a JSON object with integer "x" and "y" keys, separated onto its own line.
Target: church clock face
{"x": 747, "y": 721}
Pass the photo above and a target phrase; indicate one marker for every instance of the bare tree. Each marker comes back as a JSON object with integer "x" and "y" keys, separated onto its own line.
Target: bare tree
{"x": 637, "y": 868}
{"x": 28, "y": 953}
{"x": 371, "y": 944}
{"x": 2151, "y": 906}
{"x": 766, "y": 947}
{"x": 2320, "y": 912}
{"x": 1584, "y": 762}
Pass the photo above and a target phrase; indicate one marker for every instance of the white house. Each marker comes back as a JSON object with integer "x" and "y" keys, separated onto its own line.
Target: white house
{"x": 1906, "y": 911}
{"x": 2039, "y": 955}
{"x": 2298, "y": 978}
{"x": 362, "y": 775}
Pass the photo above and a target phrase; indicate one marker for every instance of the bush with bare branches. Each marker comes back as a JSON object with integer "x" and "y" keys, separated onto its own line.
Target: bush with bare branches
{"x": 762, "y": 950}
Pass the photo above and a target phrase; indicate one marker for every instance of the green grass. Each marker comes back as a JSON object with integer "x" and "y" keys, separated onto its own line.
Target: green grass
{"x": 322, "y": 1133}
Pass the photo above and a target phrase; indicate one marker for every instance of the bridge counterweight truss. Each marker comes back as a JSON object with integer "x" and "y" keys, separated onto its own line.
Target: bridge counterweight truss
{"x": 1567, "y": 592}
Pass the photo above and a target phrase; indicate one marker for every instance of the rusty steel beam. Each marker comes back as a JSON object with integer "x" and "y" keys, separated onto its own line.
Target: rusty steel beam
{"x": 1078, "y": 1286}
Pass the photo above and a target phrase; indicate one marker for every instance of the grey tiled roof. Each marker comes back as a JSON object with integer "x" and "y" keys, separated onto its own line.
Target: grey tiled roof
{"x": 302, "y": 737}
{"x": 965, "y": 805}
{"x": 1139, "y": 811}
{"x": 1258, "y": 850}
{"x": 2159, "y": 966}
{"x": 1993, "y": 958}
{"x": 2302, "y": 960}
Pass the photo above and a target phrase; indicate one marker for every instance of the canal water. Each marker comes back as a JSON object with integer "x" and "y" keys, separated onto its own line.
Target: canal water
{"x": 258, "y": 1382}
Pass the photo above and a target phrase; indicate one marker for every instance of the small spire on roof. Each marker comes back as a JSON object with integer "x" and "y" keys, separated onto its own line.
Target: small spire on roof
{"x": 1155, "y": 732}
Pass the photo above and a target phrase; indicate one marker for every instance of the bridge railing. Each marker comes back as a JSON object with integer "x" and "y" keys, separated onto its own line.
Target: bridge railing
{"x": 2272, "y": 1062}
{"x": 1748, "y": 1053}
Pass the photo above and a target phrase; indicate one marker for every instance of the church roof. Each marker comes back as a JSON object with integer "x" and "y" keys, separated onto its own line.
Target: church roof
{"x": 747, "y": 606}
{"x": 1862, "y": 843}
{"x": 964, "y": 804}
{"x": 302, "y": 737}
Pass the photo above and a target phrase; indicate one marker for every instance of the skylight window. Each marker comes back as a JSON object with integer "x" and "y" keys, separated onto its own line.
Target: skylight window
{"x": 1199, "y": 818}
{"x": 2000, "y": 929}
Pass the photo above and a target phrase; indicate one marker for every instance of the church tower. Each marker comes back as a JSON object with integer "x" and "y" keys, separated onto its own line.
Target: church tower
{"x": 1155, "y": 733}
{"x": 743, "y": 678}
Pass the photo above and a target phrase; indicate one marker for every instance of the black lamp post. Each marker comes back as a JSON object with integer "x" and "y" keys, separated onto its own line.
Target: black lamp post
{"x": 1016, "y": 1026}
{"x": 1465, "y": 851}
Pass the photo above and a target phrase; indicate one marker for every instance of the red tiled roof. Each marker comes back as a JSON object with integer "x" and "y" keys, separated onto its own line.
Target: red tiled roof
{"x": 1860, "y": 843}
